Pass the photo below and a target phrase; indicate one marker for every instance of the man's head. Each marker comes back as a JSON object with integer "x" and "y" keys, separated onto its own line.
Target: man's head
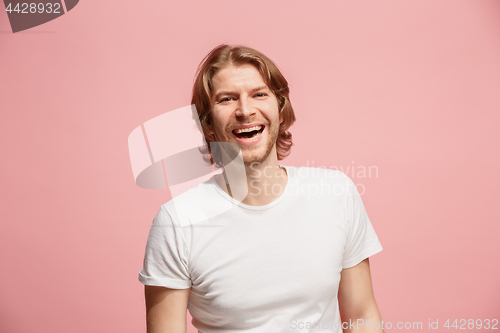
{"x": 237, "y": 87}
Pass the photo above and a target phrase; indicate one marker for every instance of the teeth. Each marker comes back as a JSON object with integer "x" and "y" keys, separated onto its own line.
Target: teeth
{"x": 241, "y": 130}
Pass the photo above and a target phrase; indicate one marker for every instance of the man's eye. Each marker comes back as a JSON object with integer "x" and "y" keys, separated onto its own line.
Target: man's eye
{"x": 225, "y": 99}
{"x": 261, "y": 94}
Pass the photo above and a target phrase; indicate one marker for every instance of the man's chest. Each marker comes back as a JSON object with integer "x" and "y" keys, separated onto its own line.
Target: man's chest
{"x": 254, "y": 265}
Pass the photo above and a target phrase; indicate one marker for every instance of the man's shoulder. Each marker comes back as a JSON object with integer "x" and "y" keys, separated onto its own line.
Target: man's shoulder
{"x": 198, "y": 204}
{"x": 195, "y": 192}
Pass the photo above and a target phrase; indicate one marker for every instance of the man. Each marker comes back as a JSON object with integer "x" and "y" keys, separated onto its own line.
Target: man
{"x": 291, "y": 255}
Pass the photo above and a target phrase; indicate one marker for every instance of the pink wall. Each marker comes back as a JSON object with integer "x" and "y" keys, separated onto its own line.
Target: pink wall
{"x": 408, "y": 87}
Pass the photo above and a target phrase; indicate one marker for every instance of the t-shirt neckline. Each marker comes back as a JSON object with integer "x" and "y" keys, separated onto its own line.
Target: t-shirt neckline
{"x": 249, "y": 207}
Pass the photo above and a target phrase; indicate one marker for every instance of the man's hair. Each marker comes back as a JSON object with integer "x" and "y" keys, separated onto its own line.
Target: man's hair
{"x": 223, "y": 56}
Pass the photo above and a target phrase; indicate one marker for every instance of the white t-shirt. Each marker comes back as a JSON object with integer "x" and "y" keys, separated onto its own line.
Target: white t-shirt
{"x": 261, "y": 269}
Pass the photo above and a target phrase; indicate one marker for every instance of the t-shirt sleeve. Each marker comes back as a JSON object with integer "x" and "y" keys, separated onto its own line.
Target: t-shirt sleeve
{"x": 362, "y": 241}
{"x": 166, "y": 257}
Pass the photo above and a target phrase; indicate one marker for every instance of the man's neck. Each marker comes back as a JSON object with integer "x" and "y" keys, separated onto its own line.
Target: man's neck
{"x": 265, "y": 182}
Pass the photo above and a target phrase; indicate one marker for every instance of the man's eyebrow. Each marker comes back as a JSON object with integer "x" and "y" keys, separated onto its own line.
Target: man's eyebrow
{"x": 260, "y": 88}
{"x": 221, "y": 93}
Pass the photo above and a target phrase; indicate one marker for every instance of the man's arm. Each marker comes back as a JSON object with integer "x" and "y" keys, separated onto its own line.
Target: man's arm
{"x": 166, "y": 309}
{"x": 356, "y": 300}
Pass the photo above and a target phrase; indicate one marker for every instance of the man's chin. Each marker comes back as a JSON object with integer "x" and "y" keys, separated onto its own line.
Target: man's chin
{"x": 249, "y": 159}
{"x": 258, "y": 157}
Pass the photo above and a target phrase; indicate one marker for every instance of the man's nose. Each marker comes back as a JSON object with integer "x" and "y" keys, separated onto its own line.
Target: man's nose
{"x": 244, "y": 108}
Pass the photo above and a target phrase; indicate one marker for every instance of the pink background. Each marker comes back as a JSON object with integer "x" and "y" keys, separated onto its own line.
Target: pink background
{"x": 410, "y": 87}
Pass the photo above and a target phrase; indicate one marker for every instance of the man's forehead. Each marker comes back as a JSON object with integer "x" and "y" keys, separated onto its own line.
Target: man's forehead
{"x": 238, "y": 76}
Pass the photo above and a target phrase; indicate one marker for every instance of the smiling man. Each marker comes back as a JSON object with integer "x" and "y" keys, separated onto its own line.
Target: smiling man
{"x": 245, "y": 111}
{"x": 291, "y": 255}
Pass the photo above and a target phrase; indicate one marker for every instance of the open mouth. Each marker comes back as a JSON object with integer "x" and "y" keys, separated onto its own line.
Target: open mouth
{"x": 249, "y": 134}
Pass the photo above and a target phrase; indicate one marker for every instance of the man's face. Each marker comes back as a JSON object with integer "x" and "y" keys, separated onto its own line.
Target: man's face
{"x": 245, "y": 111}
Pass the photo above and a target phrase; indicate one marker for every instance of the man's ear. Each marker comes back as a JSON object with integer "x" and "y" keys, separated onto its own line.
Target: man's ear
{"x": 282, "y": 118}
